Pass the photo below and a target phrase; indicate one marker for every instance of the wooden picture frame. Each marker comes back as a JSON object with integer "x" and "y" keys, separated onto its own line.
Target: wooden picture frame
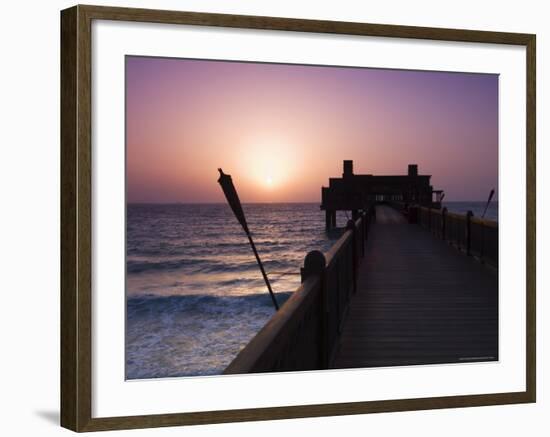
{"x": 76, "y": 218}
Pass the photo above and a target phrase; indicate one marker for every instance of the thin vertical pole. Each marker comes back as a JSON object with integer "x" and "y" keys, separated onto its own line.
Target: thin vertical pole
{"x": 491, "y": 194}
{"x": 263, "y": 271}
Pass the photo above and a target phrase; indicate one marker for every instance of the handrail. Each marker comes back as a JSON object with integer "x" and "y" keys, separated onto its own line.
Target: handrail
{"x": 484, "y": 222}
{"x": 304, "y": 333}
{"x": 336, "y": 248}
{"x": 476, "y": 236}
{"x": 258, "y": 348}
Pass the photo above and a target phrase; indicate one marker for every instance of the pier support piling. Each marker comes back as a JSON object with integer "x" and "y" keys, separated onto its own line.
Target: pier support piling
{"x": 330, "y": 219}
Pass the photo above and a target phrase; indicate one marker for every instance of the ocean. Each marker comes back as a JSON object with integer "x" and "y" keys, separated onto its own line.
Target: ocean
{"x": 194, "y": 293}
{"x": 476, "y": 207}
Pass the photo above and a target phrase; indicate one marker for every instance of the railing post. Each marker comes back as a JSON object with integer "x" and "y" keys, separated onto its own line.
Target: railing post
{"x": 482, "y": 245}
{"x": 413, "y": 214}
{"x": 429, "y": 218}
{"x": 351, "y": 226}
{"x": 315, "y": 264}
{"x": 469, "y": 215}
{"x": 365, "y": 225}
{"x": 443, "y": 223}
{"x": 364, "y": 239}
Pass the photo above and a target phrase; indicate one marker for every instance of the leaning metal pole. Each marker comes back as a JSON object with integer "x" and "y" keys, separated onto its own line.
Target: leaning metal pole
{"x": 491, "y": 194}
{"x": 233, "y": 200}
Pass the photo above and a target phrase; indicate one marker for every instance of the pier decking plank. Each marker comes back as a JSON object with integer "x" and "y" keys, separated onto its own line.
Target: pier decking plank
{"x": 418, "y": 301}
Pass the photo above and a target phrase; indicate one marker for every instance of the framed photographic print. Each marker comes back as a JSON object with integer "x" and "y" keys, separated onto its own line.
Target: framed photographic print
{"x": 337, "y": 216}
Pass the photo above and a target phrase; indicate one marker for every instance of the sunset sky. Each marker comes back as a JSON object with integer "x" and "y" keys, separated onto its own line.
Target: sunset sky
{"x": 282, "y": 130}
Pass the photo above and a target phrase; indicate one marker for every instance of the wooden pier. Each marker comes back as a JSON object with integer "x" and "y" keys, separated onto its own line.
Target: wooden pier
{"x": 405, "y": 284}
{"x": 418, "y": 301}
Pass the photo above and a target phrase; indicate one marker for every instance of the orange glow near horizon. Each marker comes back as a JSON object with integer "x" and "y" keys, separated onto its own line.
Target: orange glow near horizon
{"x": 268, "y": 165}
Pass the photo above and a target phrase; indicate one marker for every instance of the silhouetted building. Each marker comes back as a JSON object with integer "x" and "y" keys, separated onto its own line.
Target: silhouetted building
{"x": 354, "y": 192}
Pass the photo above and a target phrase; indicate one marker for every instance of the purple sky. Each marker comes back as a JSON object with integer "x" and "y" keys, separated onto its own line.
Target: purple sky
{"x": 282, "y": 130}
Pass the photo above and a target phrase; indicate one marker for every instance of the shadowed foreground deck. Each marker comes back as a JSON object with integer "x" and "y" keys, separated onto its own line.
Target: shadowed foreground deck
{"x": 418, "y": 301}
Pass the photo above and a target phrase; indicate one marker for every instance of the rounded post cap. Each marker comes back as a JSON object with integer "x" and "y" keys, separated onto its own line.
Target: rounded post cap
{"x": 315, "y": 262}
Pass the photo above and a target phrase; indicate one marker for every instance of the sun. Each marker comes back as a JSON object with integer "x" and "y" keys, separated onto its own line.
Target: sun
{"x": 269, "y": 163}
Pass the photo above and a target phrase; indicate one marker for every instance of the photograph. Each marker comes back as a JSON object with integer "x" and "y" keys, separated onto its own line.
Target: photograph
{"x": 295, "y": 217}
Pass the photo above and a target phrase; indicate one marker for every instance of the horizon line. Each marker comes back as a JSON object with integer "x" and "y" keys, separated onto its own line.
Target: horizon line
{"x": 265, "y": 202}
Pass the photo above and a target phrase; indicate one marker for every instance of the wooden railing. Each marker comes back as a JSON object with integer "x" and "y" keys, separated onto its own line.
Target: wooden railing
{"x": 304, "y": 333}
{"x": 475, "y": 236}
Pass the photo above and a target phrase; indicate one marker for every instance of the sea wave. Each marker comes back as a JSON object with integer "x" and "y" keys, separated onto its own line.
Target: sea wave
{"x": 189, "y": 335}
{"x": 202, "y": 302}
{"x": 201, "y": 265}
